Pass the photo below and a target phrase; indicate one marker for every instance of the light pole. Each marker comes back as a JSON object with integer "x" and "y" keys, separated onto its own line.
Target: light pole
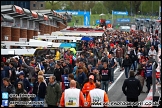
{"x": 112, "y": 17}
{"x": 141, "y": 8}
{"x": 131, "y": 8}
{"x": 152, "y": 8}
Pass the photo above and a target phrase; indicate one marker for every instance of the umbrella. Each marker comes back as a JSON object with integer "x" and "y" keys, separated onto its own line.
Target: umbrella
{"x": 102, "y": 14}
{"x": 87, "y": 38}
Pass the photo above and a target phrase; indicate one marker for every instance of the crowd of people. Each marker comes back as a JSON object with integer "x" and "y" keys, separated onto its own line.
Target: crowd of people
{"x": 76, "y": 79}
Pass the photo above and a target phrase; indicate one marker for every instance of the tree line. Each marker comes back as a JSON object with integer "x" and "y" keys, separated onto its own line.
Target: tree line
{"x": 98, "y": 7}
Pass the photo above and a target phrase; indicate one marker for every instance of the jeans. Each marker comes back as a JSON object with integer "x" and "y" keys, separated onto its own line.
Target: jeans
{"x": 119, "y": 60}
{"x": 105, "y": 85}
{"x": 148, "y": 83}
{"x": 126, "y": 71}
{"x": 37, "y": 98}
{"x": 134, "y": 65}
{"x": 112, "y": 75}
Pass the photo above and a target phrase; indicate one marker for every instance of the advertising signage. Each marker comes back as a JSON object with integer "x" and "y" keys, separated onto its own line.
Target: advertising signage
{"x": 119, "y": 13}
{"x": 123, "y": 20}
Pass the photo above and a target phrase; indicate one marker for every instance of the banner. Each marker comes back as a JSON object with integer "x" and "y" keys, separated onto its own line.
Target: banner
{"x": 97, "y": 21}
{"x": 86, "y": 20}
{"x": 108, "y": 21}
{"x": 123, "y": 20}
{"x": 67, "y": 45}
{"x": 119, "y": 13}
{"x": 74, "y": 12}
{"x": 86, "y": 15}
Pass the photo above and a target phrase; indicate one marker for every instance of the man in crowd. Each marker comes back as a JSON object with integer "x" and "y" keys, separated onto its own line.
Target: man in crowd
{"x": 105, "y": 74}
{"x": 53, "y": 93}
{"x": 88, "y": 86}
{"x": 132, "y": 88}
{"x": 97, "y": 96}
{"x": 72, "y": 97}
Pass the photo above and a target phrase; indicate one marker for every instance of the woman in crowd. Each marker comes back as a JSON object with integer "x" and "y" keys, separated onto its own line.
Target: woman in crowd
{"x": 20, "y": 90}
{"x": 39, "y": 89}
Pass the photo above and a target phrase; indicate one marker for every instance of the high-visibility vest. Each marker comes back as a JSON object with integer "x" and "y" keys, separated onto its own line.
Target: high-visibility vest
{"x": 97, "y": 97}
{"x": 72, "y": 97}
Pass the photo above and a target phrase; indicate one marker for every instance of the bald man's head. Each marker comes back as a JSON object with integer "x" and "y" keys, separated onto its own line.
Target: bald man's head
{"x": 73, "y": 83}
{"x": 98, "y": 84}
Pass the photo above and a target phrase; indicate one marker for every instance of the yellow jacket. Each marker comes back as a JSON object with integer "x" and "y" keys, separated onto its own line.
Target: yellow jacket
{"x": 57, "y": 56}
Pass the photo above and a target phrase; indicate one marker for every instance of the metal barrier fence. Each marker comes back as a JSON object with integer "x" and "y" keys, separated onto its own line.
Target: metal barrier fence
{"x": 154, "y": 76}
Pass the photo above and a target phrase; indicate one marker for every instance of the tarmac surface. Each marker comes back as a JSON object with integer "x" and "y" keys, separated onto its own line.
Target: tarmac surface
{"x": 115, "y": 92}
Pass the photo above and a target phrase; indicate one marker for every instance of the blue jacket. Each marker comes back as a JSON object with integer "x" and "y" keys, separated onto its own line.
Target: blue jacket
{"x": 148, "y": 72}
{"x": 65, "y": 82}
{"x": 2, "y": 75}
{"x": 81, "y": 77}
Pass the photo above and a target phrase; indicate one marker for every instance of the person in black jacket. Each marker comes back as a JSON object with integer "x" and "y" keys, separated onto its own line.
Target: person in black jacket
{"x": 58, "y": 71}
{"x": 126, "y": 65}
{"x": 39, "y": 89}
{"x": 7, "y": 87}
{"x": 133, "y": 56}
{"x": 13, "y": 71}
{"x": 25, "y": 81}
{"x": 132, "y": 88}
{"x": 20, "y": 90}
{"x": 105, "y": 74}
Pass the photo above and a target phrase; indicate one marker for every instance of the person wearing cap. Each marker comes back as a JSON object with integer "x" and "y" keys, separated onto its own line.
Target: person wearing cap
{"x": 26, "y": 82}
{"x": 72, "y": 97}
{"x": 132, "y": 88}
{"x": 97, "y": 95}
{"x": 88, "y": 86}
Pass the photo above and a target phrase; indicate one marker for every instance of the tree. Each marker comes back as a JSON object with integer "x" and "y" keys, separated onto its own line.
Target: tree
{"x": 147, "y": 7}
{"x": 117, "y": 6}
{"x": 54, "y": 5}
{"x": 136, "y": 6}
{"x": 99, "y": 8}
{"x": 88, "y": 5}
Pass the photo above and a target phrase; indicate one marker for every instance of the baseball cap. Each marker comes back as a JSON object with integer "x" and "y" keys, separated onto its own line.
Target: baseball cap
{"x": 93, "y": 68}
{"x": 91, "y": 77}
{"x": 21, "y": 73}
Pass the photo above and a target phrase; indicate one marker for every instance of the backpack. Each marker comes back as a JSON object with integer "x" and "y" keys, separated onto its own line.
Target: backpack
{"x": 104, "y": 59}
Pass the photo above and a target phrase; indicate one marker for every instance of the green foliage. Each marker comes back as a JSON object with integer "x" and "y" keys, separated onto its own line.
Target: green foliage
{"x": 99, "y": 8}
{"x": 93, "y": 19}
{"x": 54, "y": 5}
{"x": 147, "y": 7}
